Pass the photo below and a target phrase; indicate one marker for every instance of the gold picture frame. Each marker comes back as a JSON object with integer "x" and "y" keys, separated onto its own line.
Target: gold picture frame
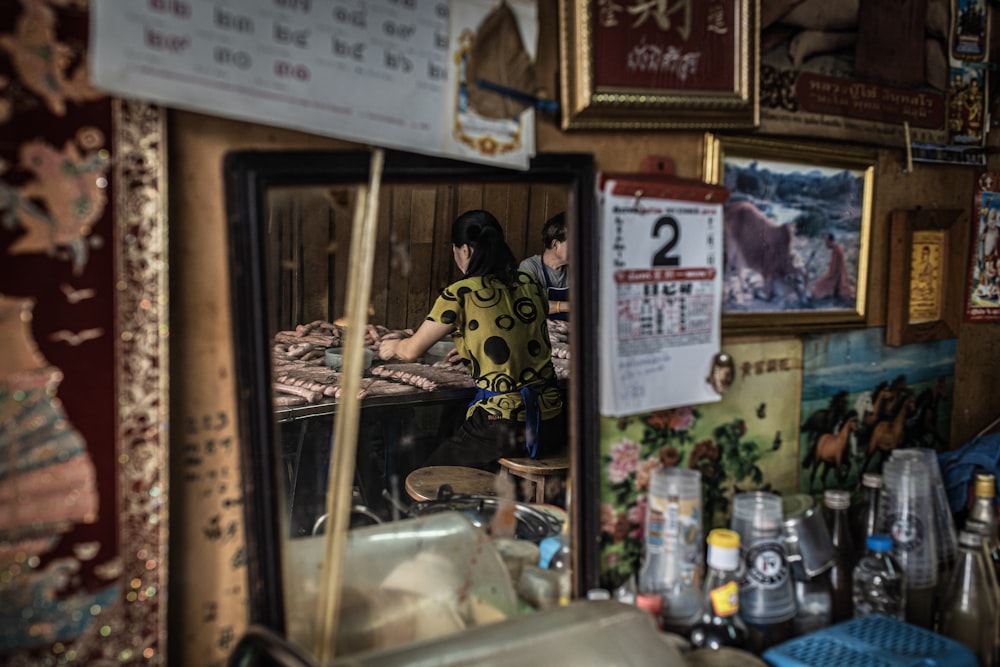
{"x": 690, "y": 65}
{"x": 925, "y": 286}
{"x": 796, "y": 233}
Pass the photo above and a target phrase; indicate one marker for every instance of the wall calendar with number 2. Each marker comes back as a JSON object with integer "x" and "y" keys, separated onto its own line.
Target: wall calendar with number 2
{"x": 661, "y": 290}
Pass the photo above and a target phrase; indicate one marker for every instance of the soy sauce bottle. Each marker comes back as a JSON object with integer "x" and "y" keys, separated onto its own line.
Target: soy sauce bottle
{"x": 721, "y": 624}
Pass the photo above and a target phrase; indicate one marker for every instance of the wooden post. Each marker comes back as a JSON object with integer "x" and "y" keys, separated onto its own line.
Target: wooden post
{"x": 345, "y": 435}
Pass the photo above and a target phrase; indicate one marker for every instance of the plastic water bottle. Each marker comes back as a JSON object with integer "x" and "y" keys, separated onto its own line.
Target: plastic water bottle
{"x": 879, "y": 581}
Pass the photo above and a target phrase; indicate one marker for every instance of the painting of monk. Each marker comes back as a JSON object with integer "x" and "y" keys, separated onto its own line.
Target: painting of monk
{"x": 795, "y": 230}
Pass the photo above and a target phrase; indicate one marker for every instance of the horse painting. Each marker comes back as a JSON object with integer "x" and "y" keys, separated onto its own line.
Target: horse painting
{"x": 830, "y": 449}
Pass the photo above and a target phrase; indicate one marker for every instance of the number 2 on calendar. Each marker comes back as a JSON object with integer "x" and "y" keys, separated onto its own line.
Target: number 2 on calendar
{"x": 662, "y": 257}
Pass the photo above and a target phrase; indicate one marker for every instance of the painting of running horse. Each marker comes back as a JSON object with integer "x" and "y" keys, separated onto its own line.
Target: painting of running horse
{"x": 861, "y": 400}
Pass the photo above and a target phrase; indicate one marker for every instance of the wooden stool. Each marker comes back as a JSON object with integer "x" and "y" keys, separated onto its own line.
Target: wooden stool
{"x": 536, "y": 471}
{"x": 423, "y": 483}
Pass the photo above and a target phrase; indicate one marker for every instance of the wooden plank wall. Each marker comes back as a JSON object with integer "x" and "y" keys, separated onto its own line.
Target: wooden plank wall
{"x": 309, "y": 231}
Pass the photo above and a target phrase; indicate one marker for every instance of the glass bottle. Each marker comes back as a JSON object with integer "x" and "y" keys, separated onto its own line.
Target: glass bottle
{"x": 866, "y": 517}
{"x": 721, "y": 623}
{"x": 982, "y": 530}
{"x": 984, "y": 506}
{"x": 837, "y": 503}
{"x": 879, "y": 582}
{"x": 969, "y": 611}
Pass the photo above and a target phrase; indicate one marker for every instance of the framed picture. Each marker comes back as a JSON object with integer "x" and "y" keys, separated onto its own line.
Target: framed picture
{"x": 824, "y": 67}
{"x": 83, "y": 381}
{"x": 659, "y": 65}
{"x": 795, "y": 233}
{"x": 982, "y": 302}
{"x": 924, "y": 288}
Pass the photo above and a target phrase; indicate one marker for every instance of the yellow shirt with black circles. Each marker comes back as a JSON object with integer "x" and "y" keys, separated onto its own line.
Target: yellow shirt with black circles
{"x": 502, "y": 336}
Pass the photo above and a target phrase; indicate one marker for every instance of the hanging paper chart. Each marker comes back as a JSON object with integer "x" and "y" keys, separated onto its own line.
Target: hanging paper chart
{"x": 661, "y": 290}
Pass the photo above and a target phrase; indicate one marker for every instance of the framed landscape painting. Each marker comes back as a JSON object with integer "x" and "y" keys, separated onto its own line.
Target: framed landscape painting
{"x": 795, "y": 233}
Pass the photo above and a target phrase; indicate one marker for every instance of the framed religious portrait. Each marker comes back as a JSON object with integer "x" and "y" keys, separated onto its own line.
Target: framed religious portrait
{"x": 924, "y": 290}
{"x": 675, "y": 64}
{"x": 795, "y": 233}
{"x": 982, "y": 301}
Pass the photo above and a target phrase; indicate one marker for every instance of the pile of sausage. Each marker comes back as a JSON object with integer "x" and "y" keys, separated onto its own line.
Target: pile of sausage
{"x": 301, "y": 376}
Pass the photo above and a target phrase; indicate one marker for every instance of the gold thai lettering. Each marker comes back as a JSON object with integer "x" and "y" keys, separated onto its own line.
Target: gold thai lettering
{"x": 716, "y": 20}
{"x": 607, "y": 13}
{"x": 663, "y": 12}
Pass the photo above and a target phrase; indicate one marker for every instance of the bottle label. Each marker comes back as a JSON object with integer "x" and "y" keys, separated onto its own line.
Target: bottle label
{"x": 907, "y": 532}
{"x": 654, "y": 528}
{"x": 725, "y": 599}
{"x": 766, "y": 565}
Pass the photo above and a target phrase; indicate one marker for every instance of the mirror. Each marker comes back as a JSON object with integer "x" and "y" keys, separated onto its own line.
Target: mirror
{"x": 290, "y": 219}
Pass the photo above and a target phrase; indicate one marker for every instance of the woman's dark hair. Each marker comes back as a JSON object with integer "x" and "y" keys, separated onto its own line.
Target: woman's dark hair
{"x": 490, "y": 253}
{"x": 554, "y": 229}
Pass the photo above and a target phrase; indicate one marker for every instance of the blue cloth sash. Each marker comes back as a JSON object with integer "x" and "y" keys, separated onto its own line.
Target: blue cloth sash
{"x": 532, "y": 412}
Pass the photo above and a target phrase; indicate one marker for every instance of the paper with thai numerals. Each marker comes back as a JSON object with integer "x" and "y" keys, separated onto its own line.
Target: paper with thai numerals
{"x": 661, "y": 288}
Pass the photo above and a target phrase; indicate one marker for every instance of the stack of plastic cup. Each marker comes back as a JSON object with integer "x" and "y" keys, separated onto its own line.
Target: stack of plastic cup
{"x": 674, "y": 547}
{"x": 947, "y": 536}
{"x": 767, "y": 595}
{"x": 907, "y": 514}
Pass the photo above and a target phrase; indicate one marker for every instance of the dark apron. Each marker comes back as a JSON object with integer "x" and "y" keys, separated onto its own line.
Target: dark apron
{"x": 555, "y": 294}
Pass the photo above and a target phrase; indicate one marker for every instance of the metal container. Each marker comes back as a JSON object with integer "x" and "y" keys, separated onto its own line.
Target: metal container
{"x": 808, "y": 547}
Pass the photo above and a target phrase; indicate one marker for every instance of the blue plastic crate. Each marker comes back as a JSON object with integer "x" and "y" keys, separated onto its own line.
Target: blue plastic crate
{"x": 871, "y": 641}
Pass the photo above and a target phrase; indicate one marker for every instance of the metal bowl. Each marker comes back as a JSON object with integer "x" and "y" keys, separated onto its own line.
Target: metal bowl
{"x": 532, "y": 524}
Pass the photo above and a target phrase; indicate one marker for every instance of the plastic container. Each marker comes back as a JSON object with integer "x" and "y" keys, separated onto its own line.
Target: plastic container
{"x": 766, "y": 595}
{"x": 879, "y": 581}
{"x": 583, "y": 634}
{"x": 908, "y": 516}
{"x": 672, "y": 562}
{"x": 870, "y": 641}
{"x": 404, "y": 581}
{"x": 947, "y": 536}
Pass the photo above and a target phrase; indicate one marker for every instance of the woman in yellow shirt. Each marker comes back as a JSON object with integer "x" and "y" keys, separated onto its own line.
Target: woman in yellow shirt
{"x": 496, "y": 317}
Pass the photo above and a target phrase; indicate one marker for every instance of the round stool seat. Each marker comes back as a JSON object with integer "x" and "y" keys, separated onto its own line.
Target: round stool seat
{"x": 423, "y": 483}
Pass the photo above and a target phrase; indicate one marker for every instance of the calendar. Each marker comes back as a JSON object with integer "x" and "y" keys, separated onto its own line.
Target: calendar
{"x": 661, "y": 291}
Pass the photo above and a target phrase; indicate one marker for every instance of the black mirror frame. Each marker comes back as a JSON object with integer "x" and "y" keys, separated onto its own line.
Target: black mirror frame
{"x": 248, "y": 176}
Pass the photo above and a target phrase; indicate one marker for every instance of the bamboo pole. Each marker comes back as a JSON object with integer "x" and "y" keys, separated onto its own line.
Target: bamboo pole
{"x": 345, "y": 429}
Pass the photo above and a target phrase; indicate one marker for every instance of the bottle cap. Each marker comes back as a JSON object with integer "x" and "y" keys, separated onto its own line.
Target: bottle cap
{"x": 723, "y": 549}
{"x": 879, "y": 543}
{"x": 723, "y": 537}
{"x": 872, "y": 480}
{"x": 985, "y": 485}
{"x": 837, "y": 499}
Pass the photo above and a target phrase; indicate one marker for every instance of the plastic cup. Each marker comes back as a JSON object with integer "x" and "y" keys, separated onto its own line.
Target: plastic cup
{"x": 767, "y": 594}
{"x": 947, "y": 536}
{"x": 906, "y": 513}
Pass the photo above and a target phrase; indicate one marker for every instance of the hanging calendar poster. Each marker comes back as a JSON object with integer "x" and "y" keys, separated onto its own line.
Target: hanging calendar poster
{"x": 661, "y": 290}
